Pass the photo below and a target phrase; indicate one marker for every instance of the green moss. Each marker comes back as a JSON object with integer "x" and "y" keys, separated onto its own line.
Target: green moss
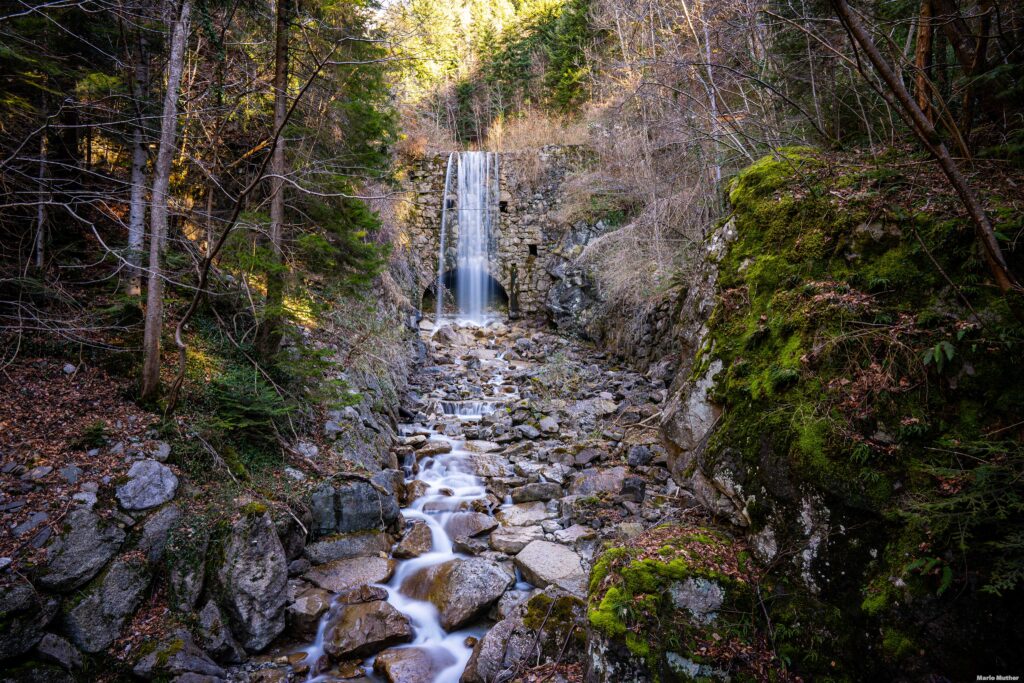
{"x": 607, "y": 616}
{"x": 171, "y": 649}
{"x": 254, "y": 509}
{"x": 896, "y": 644}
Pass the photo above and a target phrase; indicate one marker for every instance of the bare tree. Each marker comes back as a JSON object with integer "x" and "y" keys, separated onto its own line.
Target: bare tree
{"x": 159, "y": 208}
{"x": 925, "y": 131}
{"x": 137, "y": 206}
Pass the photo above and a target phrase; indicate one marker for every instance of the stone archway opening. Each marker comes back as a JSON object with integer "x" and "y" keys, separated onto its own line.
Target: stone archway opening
{"x": 497, "y": 297}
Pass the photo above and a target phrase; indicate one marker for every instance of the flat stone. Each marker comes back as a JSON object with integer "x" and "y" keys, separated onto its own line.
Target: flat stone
{"x": 33, "y": 521}
{"x": 488, "y": 465}
{"x": 433, "y": 448}
{"x": 343, "y": 575}
{"x": 512, "y": 539}
{"x": 37, "y": 473}
{"x": 544, "y": 564}
{"x": 548, "y": 425}
{"x": 527, "y": 431}
{"x": 346, "y": 546}
{"x": 591, "y": 481}
{"x": 150, "y": 483}
{"x": 469, "y": 524}
{"x": 541, "y": 490}
{"x": 55, "y": 649}
{"x": 574, "y": 534}
{"x": 524, "y": 514}
{"x": 479, "y": 446}
{"x": 700, "y": 597}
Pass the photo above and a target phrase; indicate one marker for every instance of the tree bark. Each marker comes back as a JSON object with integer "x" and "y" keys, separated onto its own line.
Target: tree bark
{"x": 923, "y": 59}
{"x": 158, "y": 210}
{"x": 930, "y": 138}
{"x": 137, "y": 211}
{"x": 269, "y": 337}
{"x": 44, "y": 201}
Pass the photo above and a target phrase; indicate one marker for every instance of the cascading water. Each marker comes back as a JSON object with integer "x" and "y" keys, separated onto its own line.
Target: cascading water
{"x": 477, "y": 179}
{"x": 444, "y": 227}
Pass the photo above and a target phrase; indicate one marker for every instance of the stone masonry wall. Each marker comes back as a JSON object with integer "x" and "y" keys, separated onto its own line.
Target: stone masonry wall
{"x": 524, "y": 234}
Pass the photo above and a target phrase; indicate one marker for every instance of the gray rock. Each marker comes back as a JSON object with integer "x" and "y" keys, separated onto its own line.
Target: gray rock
{"x": 155, "y": 532}
{"x": 343, "y": 575}
{"x": 71, "y": 473}
{"x": 253, "y": 579}
{"x": 412, "y": 664}
{"x": 461, "y": 589}
{"x": 591, "y": 481}
{"x": 215, "y": 637}
{"x": 701, "y": 597}
{"x": 352, "y": 506}
{"x": 417, "y": 541}
{"x": 33, "y": 521}
{"x": 541, "y": 490}
{"x": 548, "y": 425}
{"x": 186, "y": 574}
{"x": 469, "y": 524}
{"x": 25, "y": 614}
{"x": 175, "y": 656}
{"x": 499, "y": 652}
{"x": 299, "y": 567}
{"x": 304, "y": 613}
{"x": 633, "y": 489}
{"x": 149, "y": 484}
{"x": 639, "y": 456}
{"x": 292, "y": 529}
{"x": 524, "y": 514}
{"x": 80, "y": 552}
{"x": 544, "y": 564}
{"x": 362, "y": 629}
{"x": 512, "y": 539}
{"x": 527, "y": 431}
{"x": 37, "y": 473}
{"x": 69, "y": 368}
{"x": 346, "y": 546}
{"x": 161, "y": 451}
{"x": 95, "y": 621}
{"x": 55, "y": 649}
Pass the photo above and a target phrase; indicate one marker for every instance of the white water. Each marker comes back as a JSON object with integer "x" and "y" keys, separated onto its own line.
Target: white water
{"x": 451, "y": 488}
{"x": 478, "y": 178}
{"x": 444, "y": 228}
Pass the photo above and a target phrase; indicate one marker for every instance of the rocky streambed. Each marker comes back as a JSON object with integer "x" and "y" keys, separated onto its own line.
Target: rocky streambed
{"x": 520, "y": 455}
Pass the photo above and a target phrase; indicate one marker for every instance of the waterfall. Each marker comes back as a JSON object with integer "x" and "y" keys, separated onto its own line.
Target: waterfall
{"x": 473, "y": 291}
{"x": 444, "y": 226}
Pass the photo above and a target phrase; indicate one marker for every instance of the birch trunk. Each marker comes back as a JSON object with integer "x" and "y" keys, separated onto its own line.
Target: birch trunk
{"x": 137, "y": 211}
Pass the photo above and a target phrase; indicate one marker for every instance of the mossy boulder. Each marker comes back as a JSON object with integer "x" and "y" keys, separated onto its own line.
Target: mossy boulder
{"x": 677, "y": 596}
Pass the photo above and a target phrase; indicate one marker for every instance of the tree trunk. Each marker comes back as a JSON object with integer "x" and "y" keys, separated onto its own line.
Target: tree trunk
{"x": 923, "y": 59}
{"x": 158, "y": 210}
{"x": 269, "y": 338}
{"x": 929, "y": 137}
{"x": 137, "y": 211}
{"x": 44, "y": 201}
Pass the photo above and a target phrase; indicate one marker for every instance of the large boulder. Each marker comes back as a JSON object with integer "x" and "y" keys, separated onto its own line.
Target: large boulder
{"x": 25, "y": 614}
{"x": 77, "y": 555}
{"x": 343, "y": 575}
{"x": 512, "y": 539}
{"x": 186, "y": 573}
{"x": 364, "y": 628}
{"x": 100, "y": 611}
{"x": 352, "y": 506}
{"x": 469, "y": 524}
{"x": 540, "y": 490}
{"x": 544, "y": 564}
{"x": 413, "y": 664}
{"x": 55, "y": 649}
{"x": 524, "y": 514}
{"x": 417, "y": 541}
{"x": 461, "y": 589}
{"x": 149, "y": 484}
{"x": 346, "y": 546}
{"x": 592, "y": 481}
{"x": 156, "y": 530}
{"x": 176, "y": 655}
{"x": 253, "y": 578}
{"x": 499, "y": 652}
{"x": 215, "y": 636}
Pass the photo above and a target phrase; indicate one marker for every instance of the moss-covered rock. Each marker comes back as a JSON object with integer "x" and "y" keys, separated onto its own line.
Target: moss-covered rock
{"x": 858, "y": 366}
{"x": 678, "y": 604}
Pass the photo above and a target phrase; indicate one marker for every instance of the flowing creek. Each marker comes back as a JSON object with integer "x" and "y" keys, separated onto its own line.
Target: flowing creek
{"x": 450, "y": 489}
